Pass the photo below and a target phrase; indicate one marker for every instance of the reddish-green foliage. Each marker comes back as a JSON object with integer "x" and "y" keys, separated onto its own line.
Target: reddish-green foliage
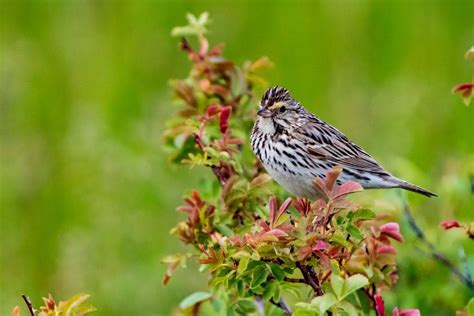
{"x": 326, "y": 256}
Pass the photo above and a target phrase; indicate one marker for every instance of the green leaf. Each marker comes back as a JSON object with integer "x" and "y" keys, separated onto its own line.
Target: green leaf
{"x": 277, "y": 293}
{"x": 335, "y": 267}
{"x": 352, "y": 284}
{"x": 196, "y": 26}
{"x": 304, "y": 312}
{"x": 324, "y": 302}
{"x": 259, "y": 276}
{"x": 277, "y": 271}
{"x": 269, "y": 291}
{"x": 337, "y": 285}
{"x": 194, "y": 298}
{"x": 76, "y": 305}
{"x": 243, "y": 263}
{"x": 245, "y": 306}
{"x": 348, "y": 308}
{"x": 240, "y": 288}
{"x": 225, "y": 230}
{"x": 470, "y": 307}
{"x": 354, "y": 232}
{"x": 339, "y": 238}
{"x": 363, "y": 214}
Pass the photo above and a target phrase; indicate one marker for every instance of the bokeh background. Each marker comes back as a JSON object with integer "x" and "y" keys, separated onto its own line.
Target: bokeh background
{"x": 88, "y": 194}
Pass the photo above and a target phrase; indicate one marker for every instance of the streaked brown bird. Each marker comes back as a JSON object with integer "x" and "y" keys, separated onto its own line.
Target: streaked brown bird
{"x": 295, "y": 147}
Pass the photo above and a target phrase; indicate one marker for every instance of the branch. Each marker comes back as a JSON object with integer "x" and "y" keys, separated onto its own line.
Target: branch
{"x": 29, "y": 304}
{"x": 310, "y": 278}
{"x": 282, "y": 304}
{"x": 294, "y": 280}
{"x": 465, "y": 278}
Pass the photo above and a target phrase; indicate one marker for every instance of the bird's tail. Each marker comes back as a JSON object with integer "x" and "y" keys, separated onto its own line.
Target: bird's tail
{"x": 411, "y": 187}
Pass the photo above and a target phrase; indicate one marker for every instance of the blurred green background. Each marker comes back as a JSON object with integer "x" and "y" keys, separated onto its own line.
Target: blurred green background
{"x": 88, "y": 195}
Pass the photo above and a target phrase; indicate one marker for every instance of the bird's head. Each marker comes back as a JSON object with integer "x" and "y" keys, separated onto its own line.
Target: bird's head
{"x": 277, "y": 103}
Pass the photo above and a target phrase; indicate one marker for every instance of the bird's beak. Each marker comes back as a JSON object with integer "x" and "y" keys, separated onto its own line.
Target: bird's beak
{"x": 264, "y": 112}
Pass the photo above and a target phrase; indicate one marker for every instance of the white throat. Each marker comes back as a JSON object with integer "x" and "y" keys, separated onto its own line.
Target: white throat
{"x": 266, "y": 126}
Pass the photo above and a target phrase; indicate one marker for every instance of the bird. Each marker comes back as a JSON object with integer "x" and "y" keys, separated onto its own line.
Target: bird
{"x": 295, "y": 147}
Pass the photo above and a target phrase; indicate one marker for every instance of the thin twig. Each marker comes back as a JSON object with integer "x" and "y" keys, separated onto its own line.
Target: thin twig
{"x": 465, "y": 278}
{"x": 282, "y": 304}
{"x": 29, "y": 304}
{"x": 294, "y": 280}
{"x": 310, "y": 278}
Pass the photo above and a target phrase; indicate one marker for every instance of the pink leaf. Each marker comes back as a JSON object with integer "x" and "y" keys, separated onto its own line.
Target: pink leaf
{"x": 448, "y": 224}
{"x": 320, "y": 187}
{"x": 224, "y": 118}
{"x": 273, "y": 205}
{"x": 386, "y": 249}
{"x": 406, "y": 312}
{"x": 348, "y": 188}
{"x": 277, "y": 232}
{"x": 272, "y": 235}
{"x": 282, "y": 209}
{"x": 320, "y": 245}
{"x": 264, "y": 225}
{"x": 379, "y": 305}
{"x": 391, "y": 230}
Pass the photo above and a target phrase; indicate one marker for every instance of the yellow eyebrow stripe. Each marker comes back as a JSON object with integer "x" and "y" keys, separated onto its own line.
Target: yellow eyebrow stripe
{"x": 276, "y": 105}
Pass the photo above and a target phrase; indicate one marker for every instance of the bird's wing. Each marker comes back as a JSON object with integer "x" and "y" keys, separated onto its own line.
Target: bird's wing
{"x": 325, "y": 142}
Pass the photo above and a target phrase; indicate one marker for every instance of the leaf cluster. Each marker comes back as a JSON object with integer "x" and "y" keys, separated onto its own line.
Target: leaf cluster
{"x": 327, "y": 256}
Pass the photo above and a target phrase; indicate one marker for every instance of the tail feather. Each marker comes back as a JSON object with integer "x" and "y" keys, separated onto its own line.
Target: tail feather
{"x": 414, "y": 188}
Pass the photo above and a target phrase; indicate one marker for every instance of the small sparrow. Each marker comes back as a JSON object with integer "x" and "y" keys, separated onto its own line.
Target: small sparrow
{"x": 295, "y": 147}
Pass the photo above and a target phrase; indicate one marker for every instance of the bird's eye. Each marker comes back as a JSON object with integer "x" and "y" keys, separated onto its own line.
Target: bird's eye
{"x": 282, "y": 109}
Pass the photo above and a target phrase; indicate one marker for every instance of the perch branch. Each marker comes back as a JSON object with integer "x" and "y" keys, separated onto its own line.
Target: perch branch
{"x": 464, "y": 277}
{"x": 310, "y": 278}
{"x": 29, "y": 304}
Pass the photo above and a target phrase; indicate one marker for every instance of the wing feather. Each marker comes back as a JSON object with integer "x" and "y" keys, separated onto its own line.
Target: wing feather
{"x": 325, "y": 142}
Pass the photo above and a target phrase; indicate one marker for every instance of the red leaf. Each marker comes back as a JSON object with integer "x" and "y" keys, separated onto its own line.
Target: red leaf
{"x": 304, "y": 252}
{"x": 216, "y": 50}
{"x": 284, "y": 206}
{"x": 331, "y": 177}
{"x": 224, "y": 118}
{"x": 323, "y": 258}
{"x": 213, "y": 109}
{"x": 273, "y": 205}
{"x": 264, "y": 225}
{"x": 303, "y": 206}
{"x": 463, "y": 88}
{"x": 171, "y": 267}
{"x": 347, "y": 188}
{"x": 282, "y": 209}
{"x": 448, "y": 224}
{"x": 379, "y": 305}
